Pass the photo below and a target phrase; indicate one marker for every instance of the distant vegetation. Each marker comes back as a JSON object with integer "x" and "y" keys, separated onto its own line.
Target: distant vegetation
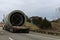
{"x": 56, "y": 24}
{"x": 56, "y": 21}
{"x": 40, "y": 22}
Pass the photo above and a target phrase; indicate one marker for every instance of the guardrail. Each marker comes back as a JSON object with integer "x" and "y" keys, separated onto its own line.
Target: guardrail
{"x": 47, "y": 32}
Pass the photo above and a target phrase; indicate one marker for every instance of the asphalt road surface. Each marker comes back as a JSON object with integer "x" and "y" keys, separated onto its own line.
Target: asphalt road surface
{"x": 5, "y": 35}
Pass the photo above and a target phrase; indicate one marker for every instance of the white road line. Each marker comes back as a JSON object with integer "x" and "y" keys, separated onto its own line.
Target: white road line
{"x": 10, "y": 38}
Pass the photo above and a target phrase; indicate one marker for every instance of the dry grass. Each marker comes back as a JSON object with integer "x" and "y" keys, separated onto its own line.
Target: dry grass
{"x": 56, "y": 26}
{"x": 54, "y": 31}
{"x": 32, "y": 26}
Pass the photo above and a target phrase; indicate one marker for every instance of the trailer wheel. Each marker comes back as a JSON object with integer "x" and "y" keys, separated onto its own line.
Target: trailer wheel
{"x": 4, "y": 28}
{"x": 11, "y": 30}
{"x": 27, "y": 31}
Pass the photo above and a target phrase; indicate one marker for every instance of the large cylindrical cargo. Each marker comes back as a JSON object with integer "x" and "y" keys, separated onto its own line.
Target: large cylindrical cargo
{"x": 15, "y": 20}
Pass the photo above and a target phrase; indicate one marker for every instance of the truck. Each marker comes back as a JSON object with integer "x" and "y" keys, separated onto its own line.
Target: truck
{"x": 15, "y": 21}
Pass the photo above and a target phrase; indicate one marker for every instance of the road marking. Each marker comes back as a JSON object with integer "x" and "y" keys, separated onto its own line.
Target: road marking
{"x": 10, "y": 38}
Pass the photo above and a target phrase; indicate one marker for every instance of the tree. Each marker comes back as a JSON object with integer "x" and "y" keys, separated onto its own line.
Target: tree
{"x": 46, "y": 24}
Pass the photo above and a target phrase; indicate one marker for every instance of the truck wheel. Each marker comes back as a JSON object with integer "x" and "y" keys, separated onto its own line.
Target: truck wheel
{"x": 27, "y": 31}
{"x": 4, "y": 28}
{"x": 11, "y": 30}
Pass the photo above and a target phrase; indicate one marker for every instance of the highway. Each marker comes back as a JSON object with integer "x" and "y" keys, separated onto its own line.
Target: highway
{"x": 5, "y": 35}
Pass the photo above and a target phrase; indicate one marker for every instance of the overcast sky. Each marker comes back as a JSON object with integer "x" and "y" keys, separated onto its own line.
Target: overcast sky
{"x": 42, "y": 8}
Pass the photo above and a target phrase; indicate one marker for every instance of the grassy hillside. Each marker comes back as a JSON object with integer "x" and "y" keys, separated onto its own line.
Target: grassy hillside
{"x": 55, "y": 26}
{"x": 32, "y": 26}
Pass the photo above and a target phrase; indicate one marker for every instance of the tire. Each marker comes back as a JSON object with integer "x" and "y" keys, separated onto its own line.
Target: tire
{"x": 12, "y": 30}
{"x": 27, "y": 31}
{"x": 4, "y": 28}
